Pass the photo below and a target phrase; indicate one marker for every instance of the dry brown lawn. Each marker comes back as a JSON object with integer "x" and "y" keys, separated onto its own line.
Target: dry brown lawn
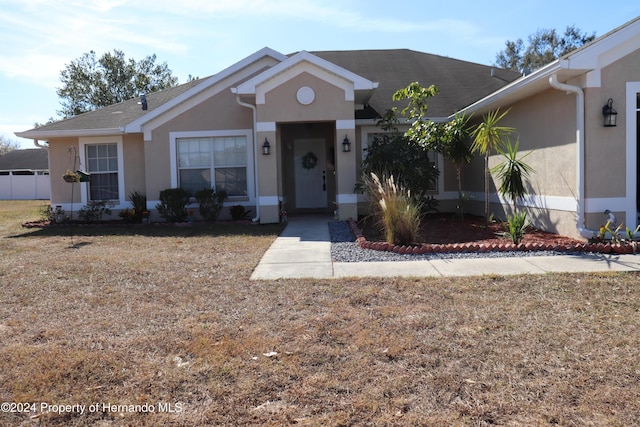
{"x": 161, "y": 326}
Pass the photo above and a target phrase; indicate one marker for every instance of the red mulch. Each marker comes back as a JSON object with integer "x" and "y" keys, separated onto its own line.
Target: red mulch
{"x": 443, "y": 228}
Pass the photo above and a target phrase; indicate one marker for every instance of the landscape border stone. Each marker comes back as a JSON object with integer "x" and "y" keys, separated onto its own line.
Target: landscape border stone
{"x": 632, "y": 247}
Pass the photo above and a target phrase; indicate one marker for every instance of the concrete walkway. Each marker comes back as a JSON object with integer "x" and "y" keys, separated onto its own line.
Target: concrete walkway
{"x": 303, "y": 250}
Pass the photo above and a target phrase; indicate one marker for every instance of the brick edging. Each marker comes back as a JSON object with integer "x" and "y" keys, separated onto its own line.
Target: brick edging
{"x": 604, "y": 248}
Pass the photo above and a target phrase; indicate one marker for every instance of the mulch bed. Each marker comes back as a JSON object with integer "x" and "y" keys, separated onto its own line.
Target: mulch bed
{"x": 444, "y": 232}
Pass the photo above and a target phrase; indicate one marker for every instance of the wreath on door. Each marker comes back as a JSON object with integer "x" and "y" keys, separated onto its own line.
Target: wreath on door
{"x": 309, "y": 160}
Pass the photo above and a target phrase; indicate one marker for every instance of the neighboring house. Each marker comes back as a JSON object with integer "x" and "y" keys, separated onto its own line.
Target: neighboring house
{"x": 24, "y": 175}
{"x": 304, "y": 108}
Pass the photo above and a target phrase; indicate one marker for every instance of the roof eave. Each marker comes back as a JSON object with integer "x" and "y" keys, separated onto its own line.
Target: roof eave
{"x": 45, "y": 135}
{"x": 518, "y": 89}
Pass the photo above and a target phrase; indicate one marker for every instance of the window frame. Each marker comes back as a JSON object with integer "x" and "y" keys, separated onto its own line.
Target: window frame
{"x": 120, "y": 202}
{"x": 109, "y": 170}
{"x": 174, "y": 137}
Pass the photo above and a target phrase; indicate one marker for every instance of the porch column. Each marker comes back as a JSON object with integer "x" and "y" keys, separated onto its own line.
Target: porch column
{"x": 268, "y": 168}
{"x": 346, "y": 199}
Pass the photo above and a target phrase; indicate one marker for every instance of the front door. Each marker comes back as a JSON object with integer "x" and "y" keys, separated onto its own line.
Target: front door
{"x": 310, "y": 173}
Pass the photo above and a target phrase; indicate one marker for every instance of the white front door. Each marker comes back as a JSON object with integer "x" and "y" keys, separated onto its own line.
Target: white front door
{"x": 310, "y": 173}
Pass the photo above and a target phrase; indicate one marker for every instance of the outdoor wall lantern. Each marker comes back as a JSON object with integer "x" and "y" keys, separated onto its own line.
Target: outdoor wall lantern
{"x": 346, "y": 145}
{"x": 266, "y": 148}
{"x": 610, "y": 115}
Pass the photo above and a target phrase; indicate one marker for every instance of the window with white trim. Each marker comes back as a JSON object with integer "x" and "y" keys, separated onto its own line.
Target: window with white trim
{"x": 102, "y": 164}
{"x": 213, "y": 162}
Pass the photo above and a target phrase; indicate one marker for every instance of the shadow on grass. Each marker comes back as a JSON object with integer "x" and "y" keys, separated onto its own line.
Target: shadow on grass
{"x": 154, "y": 230}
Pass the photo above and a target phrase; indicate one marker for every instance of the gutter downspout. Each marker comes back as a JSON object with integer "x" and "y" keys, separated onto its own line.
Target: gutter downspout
{"x": 37, "y": 144}
{"x": 553, "y": 81}
{"x": 255, "y": 155}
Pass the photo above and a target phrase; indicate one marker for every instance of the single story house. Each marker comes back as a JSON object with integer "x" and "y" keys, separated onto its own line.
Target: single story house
{"x": 24, "y": 175}
{"x": 277, "y": 130}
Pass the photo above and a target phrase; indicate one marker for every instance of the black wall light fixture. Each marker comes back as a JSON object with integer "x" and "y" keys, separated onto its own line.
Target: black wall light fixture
{"x": 610, "y": 114}
{"x": 266, "y": 148}
{"x": 346, "y": 145}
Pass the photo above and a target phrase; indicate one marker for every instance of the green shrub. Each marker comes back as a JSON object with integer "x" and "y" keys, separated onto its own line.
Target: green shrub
{"x": 238, "y": 212}
{"x": 128, "y": 215}
{"x": 392, "y": 153}
{"x": 210, "y": 203}
{"x": 173, "y": 202}
{"x": 95, "y": 210}
{"x": 515, "y": 227}
{"x": 48, "y": 213}
{"x": 395, "y": 210}
{"x": 139, "y": 202}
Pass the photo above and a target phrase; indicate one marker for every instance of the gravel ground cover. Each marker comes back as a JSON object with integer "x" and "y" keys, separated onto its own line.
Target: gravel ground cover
{"x": 345, "y": 249}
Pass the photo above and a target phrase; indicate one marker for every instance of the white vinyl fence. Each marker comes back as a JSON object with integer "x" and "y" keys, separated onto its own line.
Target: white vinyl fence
{"x": 25, "y": 185}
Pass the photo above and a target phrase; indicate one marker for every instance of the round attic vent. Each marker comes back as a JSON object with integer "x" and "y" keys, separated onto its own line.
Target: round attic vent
{"x": 305, "y": 95}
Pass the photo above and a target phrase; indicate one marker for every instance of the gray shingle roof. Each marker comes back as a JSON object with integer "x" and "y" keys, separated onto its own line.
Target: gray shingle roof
{"x": 29, "y": 159}
{"x": 460, "y": 84}
{"x": 118, "y": 115}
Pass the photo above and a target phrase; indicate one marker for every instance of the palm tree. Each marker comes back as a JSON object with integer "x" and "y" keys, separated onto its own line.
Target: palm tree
{"x": 457, "y": 147}
{"x": 488, "y": 137}
{"x": 511, "y": 172}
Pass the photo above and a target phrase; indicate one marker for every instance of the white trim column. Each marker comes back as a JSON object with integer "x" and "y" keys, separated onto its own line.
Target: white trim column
{"x": 269, "y": 202}
{"x": 346, "y": 199}
{"x": 631, "y": 185}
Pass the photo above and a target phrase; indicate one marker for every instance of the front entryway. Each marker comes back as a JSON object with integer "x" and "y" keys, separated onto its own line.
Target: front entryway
{"x": 310, "y": 173}
{"x": 308, "y": 167}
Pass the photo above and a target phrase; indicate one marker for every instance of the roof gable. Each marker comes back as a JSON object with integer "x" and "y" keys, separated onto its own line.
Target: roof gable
{"x": 304, "y": 62}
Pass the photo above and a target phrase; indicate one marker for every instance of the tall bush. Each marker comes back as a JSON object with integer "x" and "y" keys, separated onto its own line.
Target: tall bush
{"x": 395, "y": 210}
{"x": 173, "y": 202}
{"x": 391, "y": 153}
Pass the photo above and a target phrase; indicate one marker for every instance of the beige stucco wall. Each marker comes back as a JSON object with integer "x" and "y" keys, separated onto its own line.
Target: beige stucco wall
{"x": 281, "y": 104}
{"x": 605, "y": 146}
{"x": 134, "y": 166}
{"x": 60, "y": 160}
{"x": 545, "y": 125}
{"x": 220, "y": 112}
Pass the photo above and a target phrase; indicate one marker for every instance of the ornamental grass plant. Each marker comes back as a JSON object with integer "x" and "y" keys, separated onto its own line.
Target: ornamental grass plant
{"x": 397, "y": 213}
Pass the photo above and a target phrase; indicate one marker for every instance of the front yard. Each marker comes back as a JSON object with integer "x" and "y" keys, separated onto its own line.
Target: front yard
{"x": 151, "y": 326}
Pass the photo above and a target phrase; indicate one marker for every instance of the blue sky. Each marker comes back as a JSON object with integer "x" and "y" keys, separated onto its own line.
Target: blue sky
{"x": 202, "y": 37}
